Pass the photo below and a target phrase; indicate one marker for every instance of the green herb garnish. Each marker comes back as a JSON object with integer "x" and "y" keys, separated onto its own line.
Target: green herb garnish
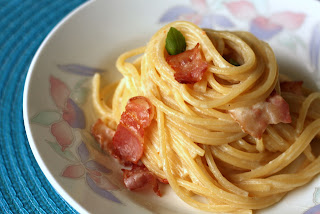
{"x": 175, "y": 42}
{"x": 233, "y": 62}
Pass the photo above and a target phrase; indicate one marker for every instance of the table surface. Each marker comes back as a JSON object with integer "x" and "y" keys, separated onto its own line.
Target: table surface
{"x": 24, "y": 25}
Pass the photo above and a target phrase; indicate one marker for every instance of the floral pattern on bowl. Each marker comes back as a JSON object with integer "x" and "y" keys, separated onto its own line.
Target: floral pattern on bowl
{"x": 67, "y": 119}
{"x": 263, "y": 26}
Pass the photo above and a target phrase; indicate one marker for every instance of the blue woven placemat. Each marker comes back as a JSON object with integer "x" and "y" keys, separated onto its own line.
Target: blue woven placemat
{"x": 23, "y": 26}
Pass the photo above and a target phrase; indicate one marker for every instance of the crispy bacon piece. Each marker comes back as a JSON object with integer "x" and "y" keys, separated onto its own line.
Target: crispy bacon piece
{"x": 255, "y": 119}
{"x": 189, "y": 65}
{"x": 128, "y": 141}
{"x": 140, "y": 108}
{"x": 127, "y": 145}
{"x": 278, "y": 110}
{"x": 164, "y": 181}
{"x": 103, "y": 135}
{"x": 139, "y": 177}
{"x": 294, "y": 87}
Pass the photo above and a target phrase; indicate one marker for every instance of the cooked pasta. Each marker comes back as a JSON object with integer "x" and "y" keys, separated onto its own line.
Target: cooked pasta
{"x": 193, "y": 140}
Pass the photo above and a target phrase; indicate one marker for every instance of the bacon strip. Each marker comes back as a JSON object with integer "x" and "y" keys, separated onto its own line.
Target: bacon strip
{"x": 103, "y": 135}
{"x": 255, "y": 119}
{"x": 139, "y": 178}
{"x": 128, "y": 141}
{"x": 188, "y": 65}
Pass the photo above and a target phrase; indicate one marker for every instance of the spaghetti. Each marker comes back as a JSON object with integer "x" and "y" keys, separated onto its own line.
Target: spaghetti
{"x": 195, "y": 143}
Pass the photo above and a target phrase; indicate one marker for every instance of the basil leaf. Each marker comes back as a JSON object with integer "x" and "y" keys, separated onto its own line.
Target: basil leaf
{"x": 233, "y": 62}
{"x": 175, "y": 42}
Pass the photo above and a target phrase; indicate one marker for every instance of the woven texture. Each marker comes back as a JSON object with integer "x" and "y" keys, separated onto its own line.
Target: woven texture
{"x": 23, "y": 26}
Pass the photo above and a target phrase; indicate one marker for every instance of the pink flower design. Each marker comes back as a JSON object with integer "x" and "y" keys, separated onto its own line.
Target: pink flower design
{"x": 198, "y": 14}
{"x": 94, "y": 173}
{"x": 288, "y": 20}
{"x": 242, "y": 9}
{"x": 61, "y": 124}
{"x": 63, "y": 134}
{"x": 59, "y": 92}
{"x": 73, "y": 115}
{"x": 74, "y": 171}
{"x": 265, "y": 27}
{"x": 200, "y": 5}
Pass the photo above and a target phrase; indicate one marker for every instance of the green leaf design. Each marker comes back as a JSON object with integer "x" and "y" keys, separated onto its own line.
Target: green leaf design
{"x": 46, "y": 118}
{"x": 80, "y": 84}
{"x": 87, "y": 137}
{"x": 175, "y": 42}
{"x": 80, "y": 95}
{"x": 67, "y": 154}
{"x": 316, "y": 195}
{"x": 233, "y": 62}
